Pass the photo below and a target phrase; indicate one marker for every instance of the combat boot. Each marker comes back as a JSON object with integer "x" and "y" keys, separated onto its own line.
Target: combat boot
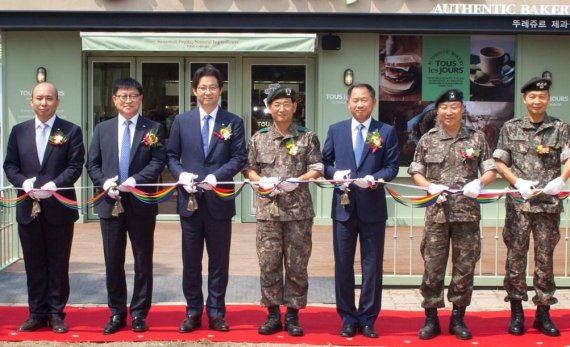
{"x": 272, "y": 323}
{"x": 517, "y": 318}
{"x": 543, "y": 323}
{"x": 292, "y": 322}
{"x": 431, "y": 326}
{"x": 457, "y": 325}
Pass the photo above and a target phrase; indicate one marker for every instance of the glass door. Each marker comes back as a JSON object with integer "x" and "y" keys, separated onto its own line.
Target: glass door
{"x": 160, "y": 79}
{"x": 102, "y": 73}
{"x": 258, "y": 75}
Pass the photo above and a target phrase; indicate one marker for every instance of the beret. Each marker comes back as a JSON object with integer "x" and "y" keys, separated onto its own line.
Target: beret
{"x": 281, "y": 92}
{"x": 536, "y": 84}
{"x": 449, "y": 96}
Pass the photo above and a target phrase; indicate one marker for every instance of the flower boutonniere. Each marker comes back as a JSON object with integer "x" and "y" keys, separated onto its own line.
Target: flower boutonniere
{"x": 225, "y": 133}
{"x": 291, "y": 147}
{"x": 469, "y": 153}
{"x": 374, "y": 141}
{"x": 58, "y": 138}
{"x": 544, "y": 149}
{"x": 151, "y": 139}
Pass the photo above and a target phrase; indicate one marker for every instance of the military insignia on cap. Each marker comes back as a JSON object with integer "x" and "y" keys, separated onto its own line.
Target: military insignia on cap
{"x": 288, "y": 91}
{"x": 541, "y": 85}
{"x": 271, "y": 88}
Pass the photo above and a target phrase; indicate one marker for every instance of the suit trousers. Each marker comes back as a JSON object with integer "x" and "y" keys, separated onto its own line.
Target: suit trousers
{"x": 198, "y": 229}
{"x": 371, "y": 237}
{"x": 46, "y": 249}
{"x": 140, "y": 230}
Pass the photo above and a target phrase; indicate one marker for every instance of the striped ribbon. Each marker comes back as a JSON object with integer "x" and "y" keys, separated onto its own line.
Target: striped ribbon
{"x": 485, "y": 197}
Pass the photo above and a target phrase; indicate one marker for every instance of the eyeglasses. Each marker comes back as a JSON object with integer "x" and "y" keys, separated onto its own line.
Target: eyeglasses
{"x": 125, "y": 97}
{"x": 278, "y": 105}
{"x": 212, "y": 88}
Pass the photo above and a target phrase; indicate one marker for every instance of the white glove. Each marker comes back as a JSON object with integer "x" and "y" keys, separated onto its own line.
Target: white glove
{"x": 340, "y": 175}
{"x": 187, "y": 178}
{"x": 365, "y": 181}
{"x": 268, "y": 182}
{"x": 28, "y": 184}
{"x": 473, "y": 188}
{"x": 209, "y": 182}
{"x": 113, "y": 193}
{"x": 190, "y": 189}
{"x": 45, "y": 191}
{"x": 110, "y": 183}
{"x": 129, "y": 182}
{"x": 554, "y": 187}
{"x": 435, "y": 188}
{"x": 525, "y": 187}
{"x": 289, "y": 184}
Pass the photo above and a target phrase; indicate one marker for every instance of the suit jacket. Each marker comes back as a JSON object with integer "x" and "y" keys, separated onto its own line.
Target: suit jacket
{"x": 338, "y": 154}
{"x": 145, "y": 165}
{"x": 224, "y": 160}
{"x": 62, "y": 164}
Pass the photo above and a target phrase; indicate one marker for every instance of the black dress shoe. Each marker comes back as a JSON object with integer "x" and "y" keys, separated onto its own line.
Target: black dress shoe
{"x": 368, "y": 331}
{"x": 190, "y": 324}
{"x": 219, "y": 324}
{"x": 348, "y": 330}
{"x": 57, "y": 325}
{"x": 115, "y": 323}
{"x": 32, "y": 324}
{"x": 139, "y": 325}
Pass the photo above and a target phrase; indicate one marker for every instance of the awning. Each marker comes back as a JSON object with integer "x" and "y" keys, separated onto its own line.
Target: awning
{"x": 197, "y": 42}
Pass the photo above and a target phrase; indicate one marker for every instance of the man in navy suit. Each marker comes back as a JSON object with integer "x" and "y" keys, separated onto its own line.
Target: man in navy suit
{"x": 206, "y": 145}
{"x": 366, "y": 150}
{"x": 54, "y": 160}
{"x": 127, "y": 150}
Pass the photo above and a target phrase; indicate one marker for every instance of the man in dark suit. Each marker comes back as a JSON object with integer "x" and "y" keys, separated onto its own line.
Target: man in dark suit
{"x": 367, "y": 151}
{"x": 128, "y": 149}
{"x": 206, "y": 145}
{"x": 54, "y": 160}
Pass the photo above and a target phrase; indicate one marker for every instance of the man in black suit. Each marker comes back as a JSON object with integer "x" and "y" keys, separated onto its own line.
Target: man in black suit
{"x": 206, "y": 145}
{"x": 367, "y": 150}
{"x": 39, "y": 167}
{"x": 127, "y": 150}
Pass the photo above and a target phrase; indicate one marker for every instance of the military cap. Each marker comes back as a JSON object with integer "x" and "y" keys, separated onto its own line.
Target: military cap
{"x": 449, "y": 95}
{"x": 536, "y": 84}
{"x": 281, "y": 92}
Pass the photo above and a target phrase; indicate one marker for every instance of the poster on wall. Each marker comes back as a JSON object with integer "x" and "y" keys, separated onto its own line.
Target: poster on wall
{"x": 416, "y": 69}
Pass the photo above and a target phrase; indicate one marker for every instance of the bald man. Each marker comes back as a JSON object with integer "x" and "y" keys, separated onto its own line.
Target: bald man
{"x": 53, "y": 159}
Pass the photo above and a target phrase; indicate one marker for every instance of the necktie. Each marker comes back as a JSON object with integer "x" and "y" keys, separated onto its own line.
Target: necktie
{"x": 125, "y": 153}
{"x": 41, "y": 141}
{"x": 359, "y": 144}
{"x": 206, "y": 134}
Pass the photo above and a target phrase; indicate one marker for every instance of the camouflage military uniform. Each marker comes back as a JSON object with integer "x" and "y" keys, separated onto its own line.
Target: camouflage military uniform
{"x": 439, "y": 158}
{"x": 284, "y": 221}
{"x": 517, "y": 148}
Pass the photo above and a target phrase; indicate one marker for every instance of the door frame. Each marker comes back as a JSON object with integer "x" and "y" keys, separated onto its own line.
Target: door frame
{"x": 248, "y": 195}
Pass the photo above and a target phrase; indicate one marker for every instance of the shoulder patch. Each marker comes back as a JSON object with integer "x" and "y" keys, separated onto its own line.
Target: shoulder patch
{"x": 302, "y": 129}
{"x": 264, "y": 130}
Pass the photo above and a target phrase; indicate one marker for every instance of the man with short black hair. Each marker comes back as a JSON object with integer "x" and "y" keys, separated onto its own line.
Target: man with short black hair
{"x": 125, "y": 151}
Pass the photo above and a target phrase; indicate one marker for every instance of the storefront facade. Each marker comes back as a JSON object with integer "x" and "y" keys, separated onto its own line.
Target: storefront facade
{"x": 409, "y": 50}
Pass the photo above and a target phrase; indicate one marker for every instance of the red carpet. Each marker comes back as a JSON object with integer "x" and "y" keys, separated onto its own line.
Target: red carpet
{"x": 396, "y": 328}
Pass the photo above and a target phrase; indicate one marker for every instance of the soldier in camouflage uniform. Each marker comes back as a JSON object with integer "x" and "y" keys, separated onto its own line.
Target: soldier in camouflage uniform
{"x": 529, "y": 155}
{"x": 449, "y": 156}
{"x": 279, "y": 157}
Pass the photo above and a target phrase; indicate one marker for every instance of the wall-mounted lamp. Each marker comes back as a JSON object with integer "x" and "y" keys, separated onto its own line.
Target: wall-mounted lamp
{"x": 41, "y": 74}
{"x": 348, "y": 77}
{"x": 547, "y": 74}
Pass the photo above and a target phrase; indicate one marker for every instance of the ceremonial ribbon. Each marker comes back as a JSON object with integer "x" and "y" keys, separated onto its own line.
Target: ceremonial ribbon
{"x": 486, "y": 196}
